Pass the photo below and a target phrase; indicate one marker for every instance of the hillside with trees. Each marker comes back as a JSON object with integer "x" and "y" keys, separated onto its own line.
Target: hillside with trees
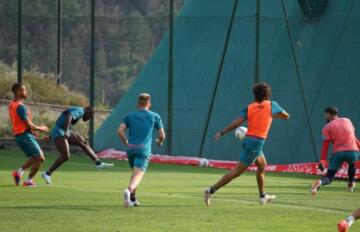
{"x": 127, "y": 33}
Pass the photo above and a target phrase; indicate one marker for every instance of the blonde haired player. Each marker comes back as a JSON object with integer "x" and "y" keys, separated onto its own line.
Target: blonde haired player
{"x": 141, "y": 125}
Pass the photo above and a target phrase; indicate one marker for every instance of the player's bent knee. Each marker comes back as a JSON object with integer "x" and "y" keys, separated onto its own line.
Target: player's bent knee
{"x": 41, "y": 159}
{"x": 261, "y": 170}
{"x": 236, "y": 173}
{"x": 65, "y": 157}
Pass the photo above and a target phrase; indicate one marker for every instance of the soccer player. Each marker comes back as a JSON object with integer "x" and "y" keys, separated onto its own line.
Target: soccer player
{"x": 344, "y": 225}
{"x": 341, "y": 133}
{"x": 62, "y": 135}
{"x": 259, "y": 115}
{"x": 141, "y": 125}
{"x": 24, "y": 131}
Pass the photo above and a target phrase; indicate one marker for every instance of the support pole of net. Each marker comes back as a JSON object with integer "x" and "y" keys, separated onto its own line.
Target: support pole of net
{"x": 170, "y": 78}
{"x": 218, "y": 75}
{"x": 59, "y": 35}
{"x": 257, "y": 43}
{"x": 19, "y": 55}
{"x": 92, "y": 71}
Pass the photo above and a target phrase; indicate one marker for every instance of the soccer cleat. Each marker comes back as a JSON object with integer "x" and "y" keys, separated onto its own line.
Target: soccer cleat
{"x": 266, "y": 199}
{"x": 104, "y": 165}
{"x": 46, "y": 178}
{"x": 29, "y": 183}
{"x": 343, "y": 226}
{"x": 134, "y": 204}
{"x": 207, "y": 196}
{"x": 16, "y": 177}
{"x": 351, "y": 187}
{"x": 127, "y": 202}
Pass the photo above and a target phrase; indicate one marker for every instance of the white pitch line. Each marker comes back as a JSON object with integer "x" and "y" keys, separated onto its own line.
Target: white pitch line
{"x": 245, "y": 202}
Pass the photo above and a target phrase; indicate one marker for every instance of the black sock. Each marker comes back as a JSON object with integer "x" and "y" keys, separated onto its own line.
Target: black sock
{"x": 97, "y": 162}
{"x": 212, "y": 190}
{"x": 329, "y": 177}
{"x": 48, "y": 173}
{"x": 351, "y": 173}
{"x": 133, "y": 196}
{"x": 263, "y": 194}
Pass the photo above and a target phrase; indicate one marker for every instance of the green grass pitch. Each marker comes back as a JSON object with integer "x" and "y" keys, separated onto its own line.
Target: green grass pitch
{"x": 85, "y": 199}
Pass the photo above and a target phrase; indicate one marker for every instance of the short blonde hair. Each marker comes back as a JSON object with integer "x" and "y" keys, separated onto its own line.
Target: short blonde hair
{"x": 144, "y": 99}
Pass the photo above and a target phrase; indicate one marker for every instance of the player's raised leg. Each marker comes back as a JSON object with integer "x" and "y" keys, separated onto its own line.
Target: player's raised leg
{"x": 335, "y": 163}
{"x": 227, "y": 178}
{"x": 76, "y": 139}
{"x": 345, "y": 224}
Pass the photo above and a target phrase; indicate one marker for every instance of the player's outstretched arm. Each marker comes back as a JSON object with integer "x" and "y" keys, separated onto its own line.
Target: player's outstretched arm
{"x": 234, "y": 124}
{"x": 161, "y": 136}
{"x": 122, "y": 134}
{"x": 323, "y": 155}
{"x": 282, "y": 115}
{"x": 33, "y": 127}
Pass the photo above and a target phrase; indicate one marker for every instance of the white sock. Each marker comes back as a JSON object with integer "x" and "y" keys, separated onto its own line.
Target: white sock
{"x": 21, "y": 171}
{"x": 350, "y": 220}
{"x": 28, "y": 179}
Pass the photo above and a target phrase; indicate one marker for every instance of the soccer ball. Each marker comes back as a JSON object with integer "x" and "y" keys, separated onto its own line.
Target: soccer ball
{"x": 240, "y": 132}
{"x": 203, "y": 162}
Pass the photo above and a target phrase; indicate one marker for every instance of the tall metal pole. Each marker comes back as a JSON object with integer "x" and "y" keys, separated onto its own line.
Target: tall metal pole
{"x": 218, "y": 75}
{"x": 170, "y": 79}
{"x": 59, "y": 35}
{"x": 299, "y": 77}
{"x": 257, "y": 43}
{"x": 92, "y": 71}
{"x": 19, "y": 63}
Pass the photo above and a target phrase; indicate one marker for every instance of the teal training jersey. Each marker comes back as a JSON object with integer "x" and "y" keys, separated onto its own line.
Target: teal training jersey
{"x": 141, "y": 125}
{"x": 275, "y": 109}
{"x": 76, "y": 114}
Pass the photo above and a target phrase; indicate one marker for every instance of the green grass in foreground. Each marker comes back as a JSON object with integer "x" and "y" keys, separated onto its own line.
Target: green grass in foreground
{"x": 85, "y": 199}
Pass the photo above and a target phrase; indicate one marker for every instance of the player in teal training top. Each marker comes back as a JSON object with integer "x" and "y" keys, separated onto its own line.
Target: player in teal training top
{"x": 141, "y": 125}
{"x": 63, "y": 136}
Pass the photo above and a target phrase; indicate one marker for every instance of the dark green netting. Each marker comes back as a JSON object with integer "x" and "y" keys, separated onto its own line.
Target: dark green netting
{"x": 325, "y": 49}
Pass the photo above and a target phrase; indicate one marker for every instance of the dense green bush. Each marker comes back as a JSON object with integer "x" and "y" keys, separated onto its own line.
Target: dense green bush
{"x": 42, "y": 87}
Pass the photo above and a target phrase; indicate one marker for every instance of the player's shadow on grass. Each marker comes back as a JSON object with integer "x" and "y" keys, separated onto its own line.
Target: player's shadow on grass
{"x": 169, "y": 206}
{"x": 8, "y": 186}
{"x": 61, "y": 207}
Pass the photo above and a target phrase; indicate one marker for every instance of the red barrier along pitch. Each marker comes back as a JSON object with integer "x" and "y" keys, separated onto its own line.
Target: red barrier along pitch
{"x": 306, "y": 168}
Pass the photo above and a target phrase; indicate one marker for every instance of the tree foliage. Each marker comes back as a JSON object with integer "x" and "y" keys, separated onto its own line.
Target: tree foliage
{"x": 127, "y": 33}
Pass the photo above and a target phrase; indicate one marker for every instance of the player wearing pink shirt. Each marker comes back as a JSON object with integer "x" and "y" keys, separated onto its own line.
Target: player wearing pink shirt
{"x": 340, "y": 132}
